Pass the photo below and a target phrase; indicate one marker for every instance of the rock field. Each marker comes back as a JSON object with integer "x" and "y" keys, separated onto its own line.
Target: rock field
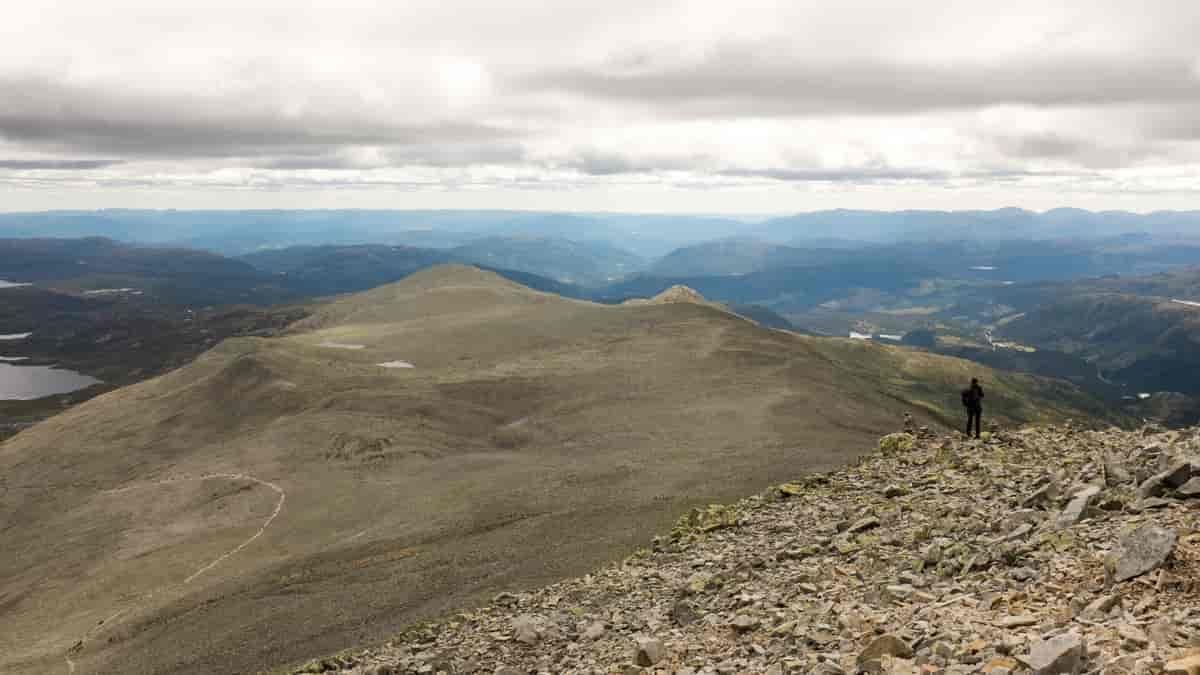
{"x": 1045, "y": 550}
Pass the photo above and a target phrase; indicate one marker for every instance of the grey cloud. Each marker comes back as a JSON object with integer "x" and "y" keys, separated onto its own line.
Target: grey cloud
{"x": 54, "y": 115}
{"x": 1171, "y": 123}
{"x": 886, "y": 174}
{"x": 57, "y": 164}
{"x": 598, "y": 163}
{"x": 1089, "y": 153}
{"x": 1043, "y": 145}
{"x": 847, "y": 175}
{"x": 449, "y": 155}
{"x": 754, "y": 79}
{"x": 306, "y": 163}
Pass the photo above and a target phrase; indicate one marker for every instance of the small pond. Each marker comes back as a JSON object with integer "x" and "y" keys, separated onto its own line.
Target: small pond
{"x": 24, "y": 383}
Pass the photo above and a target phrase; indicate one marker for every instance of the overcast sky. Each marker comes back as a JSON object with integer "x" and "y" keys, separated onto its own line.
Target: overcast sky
{"x": 645, "y": 105}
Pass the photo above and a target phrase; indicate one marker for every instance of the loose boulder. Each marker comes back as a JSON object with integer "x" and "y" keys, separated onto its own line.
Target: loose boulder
{"x": 1061, "y": 655}
{"x": 648, "y": 651}
{"x": 1190, "y": 488}
{"x": 1143, "y": 550}
{"x": 525, "y": 629}
{"x": 885, "y": 645}
{"x": 1078, "y": 506}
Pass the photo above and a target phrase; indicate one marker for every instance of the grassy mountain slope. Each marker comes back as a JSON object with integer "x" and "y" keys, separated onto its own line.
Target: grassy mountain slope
{"x": 1151, "y": 344}
{"x": 283, "y": 498}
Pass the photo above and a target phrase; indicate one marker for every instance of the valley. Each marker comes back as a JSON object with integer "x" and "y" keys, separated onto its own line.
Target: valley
{"x": 97, "y": 304}
{"x": 534, "y": 437}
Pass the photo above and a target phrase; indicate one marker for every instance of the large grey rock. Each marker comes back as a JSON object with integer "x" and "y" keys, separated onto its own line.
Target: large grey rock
{"x": 1143, "y": 550}
{"x": 1115, "y": 472}
{"x": 594, "y": 631}
{"x": 1078, "y": 506}
{"x": 1101, "y": 606}
{"x": 1043, "y": 496}
{"x": 682, "y": 613}
{"x": 1061, "y": 655}
{"x": 744, "y": 623}
{"x": 884, "y": 645}
{"x": 1151, "y": 487}
{"x": 1178, "y": 473}
{"x": 648, "y": 651}
{"x": 525, "y": 629}
{"x": 1133, "y": 635}
{"x": 1190, "y": 488}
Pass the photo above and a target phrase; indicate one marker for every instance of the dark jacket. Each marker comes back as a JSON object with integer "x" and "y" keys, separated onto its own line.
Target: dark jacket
{"x": 972, "y": 397}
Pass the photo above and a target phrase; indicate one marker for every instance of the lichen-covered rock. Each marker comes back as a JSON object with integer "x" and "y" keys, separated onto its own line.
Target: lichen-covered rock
{"x": 1143, "y": 550}
{"x": 895, "y": 443}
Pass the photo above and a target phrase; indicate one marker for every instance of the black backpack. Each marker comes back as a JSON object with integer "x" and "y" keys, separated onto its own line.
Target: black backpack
{"x": 966, "y": 398}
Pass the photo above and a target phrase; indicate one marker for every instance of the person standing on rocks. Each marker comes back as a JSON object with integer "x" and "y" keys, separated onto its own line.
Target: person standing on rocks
{"x": 972, "y": 399}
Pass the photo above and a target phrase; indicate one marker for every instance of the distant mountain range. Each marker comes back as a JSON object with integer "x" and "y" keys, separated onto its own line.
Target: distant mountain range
{"x": 240, "y": 232}
{"x": 235, "y": 232}
{"x": 1065, "y": 298}
{"x": 581, "y": 262}
{"x": 998, "y": 224}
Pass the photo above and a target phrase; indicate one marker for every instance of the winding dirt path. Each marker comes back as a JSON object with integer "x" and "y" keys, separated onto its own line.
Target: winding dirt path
{"x": 79, "y": 644}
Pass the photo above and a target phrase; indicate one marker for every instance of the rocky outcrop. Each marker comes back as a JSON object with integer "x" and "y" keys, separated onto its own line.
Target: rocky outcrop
{"x": 1030, "y": 552}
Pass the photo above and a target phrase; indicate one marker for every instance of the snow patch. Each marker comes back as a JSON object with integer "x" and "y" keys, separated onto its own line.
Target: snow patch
{"x": 110, "y": 291}
{"x": 15, "y": 336}
{"x": 341, "y": 345}
{"x": 397, "y": 364}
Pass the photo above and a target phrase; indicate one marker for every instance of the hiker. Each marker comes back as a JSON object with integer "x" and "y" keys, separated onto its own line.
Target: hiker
{"x": 972, "y": 399}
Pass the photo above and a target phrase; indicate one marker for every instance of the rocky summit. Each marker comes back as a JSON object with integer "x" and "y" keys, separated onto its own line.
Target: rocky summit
{"x": 1050, "y": 551}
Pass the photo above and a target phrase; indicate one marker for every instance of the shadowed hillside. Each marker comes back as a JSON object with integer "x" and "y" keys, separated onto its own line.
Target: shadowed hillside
{"x": 283, "y": 498}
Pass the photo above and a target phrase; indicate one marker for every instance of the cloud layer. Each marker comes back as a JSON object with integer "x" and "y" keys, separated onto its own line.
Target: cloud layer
{"x": 636, "y": 105}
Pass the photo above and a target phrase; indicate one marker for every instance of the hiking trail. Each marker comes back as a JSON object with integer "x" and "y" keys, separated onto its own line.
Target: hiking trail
{"x": 79, "y": 644}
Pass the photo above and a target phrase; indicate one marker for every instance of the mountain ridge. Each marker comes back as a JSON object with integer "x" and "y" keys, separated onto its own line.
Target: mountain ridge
{"x": 533, "y": 437}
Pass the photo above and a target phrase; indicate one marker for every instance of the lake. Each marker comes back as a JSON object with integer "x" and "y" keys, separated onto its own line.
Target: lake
{"x": 23, "y": 383}
{"x": 11, "y": 284}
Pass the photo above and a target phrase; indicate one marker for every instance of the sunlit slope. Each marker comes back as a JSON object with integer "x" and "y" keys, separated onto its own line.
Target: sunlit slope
{"x": 284, "y": 498}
